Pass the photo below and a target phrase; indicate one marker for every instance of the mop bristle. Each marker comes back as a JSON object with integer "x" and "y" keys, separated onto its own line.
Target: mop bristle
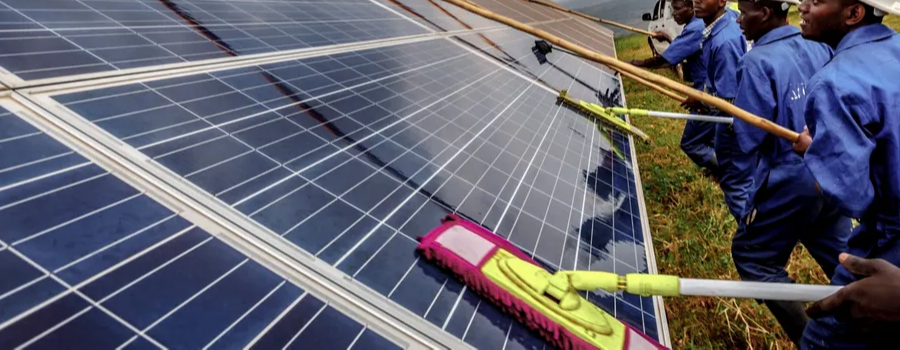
{"x": 555, "y": 334}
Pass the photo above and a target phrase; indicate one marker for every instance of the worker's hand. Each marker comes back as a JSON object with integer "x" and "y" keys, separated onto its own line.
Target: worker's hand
{"x": 803, "y": 141}
{"x": 662, "y": 36}
{"x": 694, "y": 105}
{"x": 873, "y": 298}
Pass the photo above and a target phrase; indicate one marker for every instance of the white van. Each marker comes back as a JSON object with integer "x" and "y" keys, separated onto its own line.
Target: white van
{"x": 661, "y": 20}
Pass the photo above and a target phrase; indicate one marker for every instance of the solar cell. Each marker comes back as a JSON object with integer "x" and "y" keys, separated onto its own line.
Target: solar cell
{"x": 352, "y": 174}
{"x": 52, "y": 38}
{"x": 87, "y": 259}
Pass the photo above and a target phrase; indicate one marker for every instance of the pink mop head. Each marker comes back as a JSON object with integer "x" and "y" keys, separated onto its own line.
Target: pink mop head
{"x": 463, "y": 248}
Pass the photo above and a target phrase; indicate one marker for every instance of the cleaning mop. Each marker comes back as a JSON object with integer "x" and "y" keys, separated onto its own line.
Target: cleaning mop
{"x": 497, "y": 270}
{"x": 551, "y": 305}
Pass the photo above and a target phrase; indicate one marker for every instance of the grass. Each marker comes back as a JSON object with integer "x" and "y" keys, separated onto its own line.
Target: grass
{"x": 692, "y": 230}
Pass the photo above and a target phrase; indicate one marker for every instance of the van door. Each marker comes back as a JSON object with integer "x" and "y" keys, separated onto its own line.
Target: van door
{"x": 661, "y": 19}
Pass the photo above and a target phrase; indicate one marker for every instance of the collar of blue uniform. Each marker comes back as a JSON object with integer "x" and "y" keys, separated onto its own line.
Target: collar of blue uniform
{"x": 865, "y": 34}
{"x": 708, "y": 31}
{"x": 777, "y": 34}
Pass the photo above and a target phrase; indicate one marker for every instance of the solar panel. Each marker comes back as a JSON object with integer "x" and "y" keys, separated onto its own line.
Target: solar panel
{"x": 87, "y": 259}
{"x": 439, "y": 15}
{"x": 354, "y": 173}
{"x": 52, "y": 38}
{"x": 346, "y": 157}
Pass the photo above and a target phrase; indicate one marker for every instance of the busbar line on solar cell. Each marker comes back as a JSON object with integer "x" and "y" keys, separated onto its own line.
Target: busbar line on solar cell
{"x": 19, "y": 137}
{"x": 310, "y": 321}
{"x": 244, "y": 315}
{"x": 19, "y": 166}
{"x": 71, "y": 290}
{"x": 275, "y": 321}
{"x": 47, "y": 193}
{"x": 192, "y": 297}
{"x": 471, "y": 318}
{"x": 381, "y": 223}
{"x": 355, "y": 339}
{"x": 402, "y": 16}
{"x": 51, "y": 329}
{"x": 529, "y": 16}
{"x": 114, "y": 243}
{"x": 86, "y": 215}
{"x": 583, "y": 201}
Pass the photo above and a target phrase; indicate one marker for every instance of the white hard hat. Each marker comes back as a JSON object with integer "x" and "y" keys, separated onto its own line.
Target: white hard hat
{"x": 785, "y": 4}
{"x": 883, "y": 7}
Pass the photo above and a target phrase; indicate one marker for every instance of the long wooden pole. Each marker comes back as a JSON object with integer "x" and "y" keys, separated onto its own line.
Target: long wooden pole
{"x": 653, "y": 86}
{"x": 620, "y": 66}
{"x": 595, "y": 19}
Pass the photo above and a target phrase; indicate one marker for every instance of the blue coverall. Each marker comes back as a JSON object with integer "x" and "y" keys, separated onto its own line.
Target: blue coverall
{"x": 722, "y": 52}
{"x": 783, "y": 205}
{"x": 697, "y": 138}
{"x": 853, "y": 114}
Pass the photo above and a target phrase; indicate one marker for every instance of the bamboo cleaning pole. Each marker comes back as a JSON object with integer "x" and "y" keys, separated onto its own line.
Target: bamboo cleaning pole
{"x": 592, "y": 18}
{"x": 613, "y": 63}
{"x": 653, "y": 86}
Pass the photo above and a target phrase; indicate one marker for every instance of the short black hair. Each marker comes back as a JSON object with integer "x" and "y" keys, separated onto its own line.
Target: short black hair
{"x": 674, "y": 1}
{"x": 870, "y": 17}
{"x": 776, "y": 7}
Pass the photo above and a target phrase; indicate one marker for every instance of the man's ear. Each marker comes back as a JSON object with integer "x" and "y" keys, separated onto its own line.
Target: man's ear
{"x": 854, "y": 14}
{"x": 723, "y": 3}
{"x": 766, "y": 13}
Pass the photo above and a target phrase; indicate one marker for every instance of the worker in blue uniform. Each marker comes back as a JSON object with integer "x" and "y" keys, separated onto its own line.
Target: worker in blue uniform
{"x": 723, "y": 46}
{"x": 852, "y": 147}
{"x": 697, "y": 138}
{"x": 783, "y": 206}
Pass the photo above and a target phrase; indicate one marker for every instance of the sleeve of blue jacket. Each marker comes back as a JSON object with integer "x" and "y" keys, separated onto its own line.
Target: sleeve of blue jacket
{"x": 754, "y": 95}
{"x": 840, "y": 151}
{"x": 725, "y": 71}
{"x": 684, "y": 45}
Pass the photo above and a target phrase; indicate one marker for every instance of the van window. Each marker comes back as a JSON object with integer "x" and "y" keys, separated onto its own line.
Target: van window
{"x": 658, "y": 9}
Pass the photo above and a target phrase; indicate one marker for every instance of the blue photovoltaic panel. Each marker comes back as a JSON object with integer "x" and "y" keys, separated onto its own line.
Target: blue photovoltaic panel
{"x": 88, "y": 261}
{"x": 353, "y": 167}
{"x": 443, "y": 16}
{"x": 52, "y": 38}
{"x": 439, "y": 15}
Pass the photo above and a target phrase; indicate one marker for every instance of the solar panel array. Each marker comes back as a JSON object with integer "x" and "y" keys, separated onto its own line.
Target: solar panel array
{"x": 345, "y": 156}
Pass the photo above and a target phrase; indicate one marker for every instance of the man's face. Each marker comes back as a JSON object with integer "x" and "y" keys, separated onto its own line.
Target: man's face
{"x": 752, "y": 17}
{"x": 821, "y": 19}
{"x": 708, "y": 8}
{"x": 682, "y": 11}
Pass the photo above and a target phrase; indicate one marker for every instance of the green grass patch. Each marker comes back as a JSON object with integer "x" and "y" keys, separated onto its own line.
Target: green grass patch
{"x": 692, "y": 228}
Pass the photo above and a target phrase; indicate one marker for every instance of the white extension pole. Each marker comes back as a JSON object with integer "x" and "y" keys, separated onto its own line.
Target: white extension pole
{"x": 755, "y": 290}
{"x": 702, "y": 118}
{"x": 642, "y": 112}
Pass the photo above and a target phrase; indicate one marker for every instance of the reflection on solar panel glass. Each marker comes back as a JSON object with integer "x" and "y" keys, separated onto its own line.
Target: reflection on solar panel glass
{"x": 347, "y": 156}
